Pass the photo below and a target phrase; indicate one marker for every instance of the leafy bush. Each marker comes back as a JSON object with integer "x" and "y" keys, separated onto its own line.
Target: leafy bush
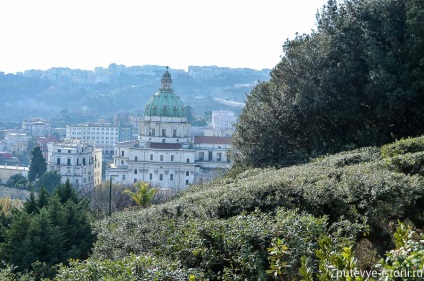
{"x": 409, "y": 145}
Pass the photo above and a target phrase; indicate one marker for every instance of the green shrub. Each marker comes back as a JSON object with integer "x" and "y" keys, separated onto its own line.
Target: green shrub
{"x": 403, "y": 146}
{"x": 126, "y": 269}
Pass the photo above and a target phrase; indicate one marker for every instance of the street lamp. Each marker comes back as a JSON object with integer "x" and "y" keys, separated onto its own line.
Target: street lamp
{"x": 110, "y": 192}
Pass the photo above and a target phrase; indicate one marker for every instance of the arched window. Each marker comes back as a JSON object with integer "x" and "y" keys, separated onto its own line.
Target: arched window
{"x": 135, "y": 171}
{"x": 188, "y": 160}
{"x": 135, "y": 158}
{"x": 187, "y": 182}
{"x": 187, "y": 173}
{"x": 122, "y": 153}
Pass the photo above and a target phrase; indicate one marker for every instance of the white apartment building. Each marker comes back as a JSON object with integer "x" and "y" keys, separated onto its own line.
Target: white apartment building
{"x": 16, "y": 142}
{"x": 77, "y": 161}
{"x": 223, "y": 120}
{"x": 222, "y": 124}
{"x": 102, "y": 135}
{"x": 37, "y": 127}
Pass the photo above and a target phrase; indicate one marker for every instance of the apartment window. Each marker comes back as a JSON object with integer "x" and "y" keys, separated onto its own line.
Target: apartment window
{"x": 161, "y": 158}
{"x": 219, "y": 156}
{"x": 122, "y": 153}
{"x": 163, "y": 132}
{"x": 150, "y": 176}
{"x": 188, "y": 160}
{"x": 153, "y": 132}
{"x": 174, "y": 133}
{"x": 123, "y": 177}
{"x": 210, "y": 155}
{"x": 135, "y": 171}
{"x": 171, "y": 177}
{"x": 83, "y": 161}
{"x": 151, "y": 157}
{"x": 69, "y": 151}
{"x": 58, "y": 161}
{"x": 172, "y": 157}
{"x": 201, "y": 156}
{"x": 69, "y": 162}
{"x": 59, "y": 150}
{"x": 161, "y": 177}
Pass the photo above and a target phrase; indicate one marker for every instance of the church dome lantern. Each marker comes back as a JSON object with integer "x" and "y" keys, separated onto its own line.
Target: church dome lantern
{"x": 165, "y": 103}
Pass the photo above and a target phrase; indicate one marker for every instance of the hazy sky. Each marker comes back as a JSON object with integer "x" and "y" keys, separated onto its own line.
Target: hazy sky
{"x": 84, "y": 34}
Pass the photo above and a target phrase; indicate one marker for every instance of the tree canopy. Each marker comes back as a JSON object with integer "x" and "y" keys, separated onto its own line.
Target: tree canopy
{"x": 355, "y": 81}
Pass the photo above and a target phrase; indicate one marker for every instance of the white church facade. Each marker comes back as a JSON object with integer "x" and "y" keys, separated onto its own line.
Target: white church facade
{"x": 165, "y": 155}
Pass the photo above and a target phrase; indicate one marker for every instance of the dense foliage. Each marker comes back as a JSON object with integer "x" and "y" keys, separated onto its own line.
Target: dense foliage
{"x": 234, "y": 228}
{"x": 355, "y": 81}
{"x": 47, "y": 231}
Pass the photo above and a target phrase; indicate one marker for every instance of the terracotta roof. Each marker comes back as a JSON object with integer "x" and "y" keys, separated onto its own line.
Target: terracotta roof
{"x": 164, "y": 145}
{"x": 212, "y": 140}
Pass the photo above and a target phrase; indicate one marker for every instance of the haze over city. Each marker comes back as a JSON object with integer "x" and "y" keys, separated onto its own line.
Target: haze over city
{"x": 86, "y": 34}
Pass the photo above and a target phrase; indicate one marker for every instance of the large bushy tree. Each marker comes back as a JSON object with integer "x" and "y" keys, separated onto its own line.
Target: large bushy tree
{"x": 355, "y": 81}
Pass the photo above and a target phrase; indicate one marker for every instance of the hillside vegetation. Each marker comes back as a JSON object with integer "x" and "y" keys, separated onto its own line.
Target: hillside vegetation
{"x": 335, "y": 212}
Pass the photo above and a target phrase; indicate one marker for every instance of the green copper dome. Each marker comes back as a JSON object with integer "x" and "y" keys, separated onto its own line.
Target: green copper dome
{"x": 165, "y": 103}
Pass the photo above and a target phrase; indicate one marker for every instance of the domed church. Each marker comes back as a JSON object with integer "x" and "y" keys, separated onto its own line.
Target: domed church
{"x": 165, "y": 155}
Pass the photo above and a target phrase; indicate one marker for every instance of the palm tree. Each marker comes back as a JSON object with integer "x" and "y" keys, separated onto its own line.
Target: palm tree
{"x": 143, "y": 194}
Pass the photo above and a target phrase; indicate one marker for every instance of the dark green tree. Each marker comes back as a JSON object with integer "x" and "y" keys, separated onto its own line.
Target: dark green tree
{"x": 50, "y": 180}
{"x": 48, "y": 231}
{"x": 43, "y": 198}
{"x": 38, "y": 165}
{"x": 30, "y": 206}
